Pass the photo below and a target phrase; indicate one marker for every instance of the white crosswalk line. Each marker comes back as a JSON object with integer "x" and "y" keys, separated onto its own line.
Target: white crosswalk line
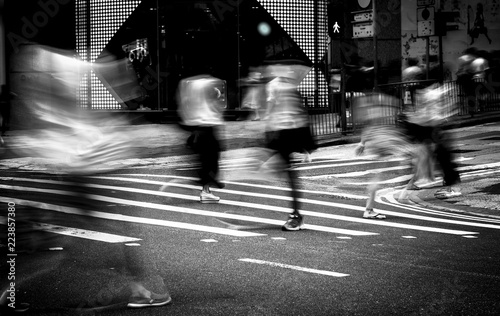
{"x": 325, "y": 215}
{"x": 80, "y": 233}
{"x": 278, "y": 209}
{"x": 131, "y": 219}
{"x": 253, "y": 185}
{"x": 415, "y": 208}
{"x": 364, "y": 173}
{"x": 190, "y": 210}
{"x": 310, "y": 201}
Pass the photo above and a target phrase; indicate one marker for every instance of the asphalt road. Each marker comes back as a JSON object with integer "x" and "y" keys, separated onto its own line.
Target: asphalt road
{"x": 233, "y": 258}
{"x": 435, "y": 257}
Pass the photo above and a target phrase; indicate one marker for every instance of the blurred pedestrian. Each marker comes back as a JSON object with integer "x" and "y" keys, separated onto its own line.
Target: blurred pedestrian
{"x": 425, "y": 126}
{"x": 201, "y": 105}
{"x": 413, "y": 71}
{"x": 77, "y": 145}
{"x": 287, "y": 126}
{"x": 383, "y": 139}
{"x": 254, "y": 94}
{"x": 465, "y": 78}
{"x": 481, "y": 70}
{"x": 411, "y": 76}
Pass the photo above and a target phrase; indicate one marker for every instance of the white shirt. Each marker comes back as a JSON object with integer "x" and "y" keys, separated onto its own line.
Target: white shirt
{"x": 199, "y": 101}
{"x": 285, "y": 107}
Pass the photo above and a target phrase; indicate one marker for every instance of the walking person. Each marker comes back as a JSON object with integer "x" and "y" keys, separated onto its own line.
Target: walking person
{"x": 77, "y": 146}
{"x": 411, "y": 75}
{"x": 465, "y": 78}
{"x": 383, "y": 139}
{"x": 287, "y": 127}
{"x": 425, "y": 126}
{"x": 200, "y": 109}
{"x": 254, "y": 94}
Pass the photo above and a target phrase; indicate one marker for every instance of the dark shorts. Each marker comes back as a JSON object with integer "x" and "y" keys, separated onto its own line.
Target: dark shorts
{"x": 288, "y": 141}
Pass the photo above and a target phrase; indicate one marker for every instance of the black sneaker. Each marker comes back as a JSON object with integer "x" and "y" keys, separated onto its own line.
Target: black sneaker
{"x": 295, "y": 222}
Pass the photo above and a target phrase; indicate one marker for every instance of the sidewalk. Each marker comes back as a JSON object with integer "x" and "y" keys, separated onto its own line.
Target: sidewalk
{"x": 480, "y": 195}
{"x": 158, "y": 145}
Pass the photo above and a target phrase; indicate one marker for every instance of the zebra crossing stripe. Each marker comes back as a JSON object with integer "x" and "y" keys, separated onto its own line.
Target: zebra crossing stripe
{"x": 131, "y": 219}
{"x": 80, "y": 233}
{"x": 83, "y": 233}
{"x": 310, "y": 213}
{"x": 260, "y": 186}
{"x": 185, "y": 210}
{"x": 263, "y": 206}
{"x": 360, "y": 173}
{"x": 415, "y": 208}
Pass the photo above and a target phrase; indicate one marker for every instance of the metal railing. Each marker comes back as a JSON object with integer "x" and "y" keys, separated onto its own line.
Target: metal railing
{"x": 327, "y": 120}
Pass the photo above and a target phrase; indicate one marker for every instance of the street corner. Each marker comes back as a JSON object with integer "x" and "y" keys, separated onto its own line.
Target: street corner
{"x": 478, "y": 197}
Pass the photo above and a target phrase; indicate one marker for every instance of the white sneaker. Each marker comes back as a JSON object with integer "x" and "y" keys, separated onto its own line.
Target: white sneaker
{"x": 207, "y": 197}
{"x": 446, "y": 193}
{"x": 307, "y": 158}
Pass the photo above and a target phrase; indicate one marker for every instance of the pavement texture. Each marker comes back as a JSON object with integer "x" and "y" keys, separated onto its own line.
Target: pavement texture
{"x": 160, "y": 145}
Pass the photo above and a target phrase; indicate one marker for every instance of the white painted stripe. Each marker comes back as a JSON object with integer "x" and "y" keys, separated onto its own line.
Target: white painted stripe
{"x": 268, "y": 187}
{"x": 479, "y": 167}
{"x": 395, "y": 180}
{"x": 278, "y": 209}
{"x": 131, "y": 219}
{"x": 80, "y": 233}
{"x": 477, "y": 173}
{"x": 367, "y": 160}
{"x": 221, "y": 168}
{"x": 415, "y": 208}
{"x": 337, "y": 165}
{"x": 399, "y": 179}
{"x": 185, "y": 210}
{"x": 315, "y": 214}
{"x": 311, "y": 213}
{"x": 86, "y": 234}
{"x": 297, "y": 268}
{"x": 363, "y": 173}
{"x": 459, "y": 159}
{"x": 287, "y": 198}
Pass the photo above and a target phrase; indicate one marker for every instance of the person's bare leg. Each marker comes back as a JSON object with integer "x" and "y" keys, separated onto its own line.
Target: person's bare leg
{"x": 372, "y": 191}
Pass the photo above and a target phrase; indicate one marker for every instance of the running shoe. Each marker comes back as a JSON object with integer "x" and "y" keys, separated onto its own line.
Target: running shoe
{"x": 152, "y": 301}
{"x": 446, "y": 193}
{"x": 295, "y": 222}
{"x": 208, "y": 197}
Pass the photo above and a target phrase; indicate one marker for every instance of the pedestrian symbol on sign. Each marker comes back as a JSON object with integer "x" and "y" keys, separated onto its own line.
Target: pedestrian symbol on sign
{"x": 336, "y": 28}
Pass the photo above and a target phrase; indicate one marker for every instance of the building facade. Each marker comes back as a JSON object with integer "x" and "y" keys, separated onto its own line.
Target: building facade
{"x": 166, "y": 40}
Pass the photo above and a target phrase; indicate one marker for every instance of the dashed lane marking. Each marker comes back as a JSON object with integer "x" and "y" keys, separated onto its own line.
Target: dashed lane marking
{"x": 297, "y": 268}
